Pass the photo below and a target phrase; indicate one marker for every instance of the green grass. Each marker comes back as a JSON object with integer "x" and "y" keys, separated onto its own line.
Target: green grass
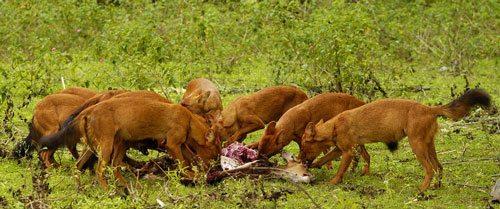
{"x": 442, "y": 46}
{"x": 467, "y": 150}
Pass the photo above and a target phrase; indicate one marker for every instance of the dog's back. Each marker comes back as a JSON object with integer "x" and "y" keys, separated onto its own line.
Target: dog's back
{"x": 385, "y": 119}
{"x": 269, "y": 103}
{"x": 79, "y": 91}
{"x": 202, "y": 97}
{"x": 292, "y": 124}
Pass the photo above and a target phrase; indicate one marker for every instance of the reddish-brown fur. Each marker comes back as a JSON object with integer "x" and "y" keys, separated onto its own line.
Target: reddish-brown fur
{"x": 250, "y": 113}
{"x": 388, "y": 121}
{"x": 292, "y": 124}
{"x": 109, "y": 125}
{"x": 79, "y": 91}
{"x": 203, "y": 98}
{"x": 49, "y": 115}
{"x": 52, "y": 143}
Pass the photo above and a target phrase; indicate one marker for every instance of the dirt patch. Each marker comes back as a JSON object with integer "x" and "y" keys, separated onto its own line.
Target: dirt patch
{"x": 38, "y": 198}
{"x": 425, "y": 197}
{"x": 3, "y": 153}
{"x": 369, "y": 191}
{"x": 276, "y": 194}
{"x": 3, "y": 202}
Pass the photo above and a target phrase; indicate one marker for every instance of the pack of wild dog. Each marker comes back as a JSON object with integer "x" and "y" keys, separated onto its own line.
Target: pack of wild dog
{"x": 193, "y": 132}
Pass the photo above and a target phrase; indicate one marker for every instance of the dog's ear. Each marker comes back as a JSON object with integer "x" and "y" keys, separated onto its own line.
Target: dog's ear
{"x": 320, "y": 122}
{"x": 276, "y": 136}
{"x": 271, "y": 128}
{"x": 309, "y": 132}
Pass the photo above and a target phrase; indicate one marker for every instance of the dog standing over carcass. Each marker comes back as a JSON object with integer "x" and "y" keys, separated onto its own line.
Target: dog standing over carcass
{"x": 48, "y": 116}
{"x": 203, "y": 98}
{"x": 252, "y": 112}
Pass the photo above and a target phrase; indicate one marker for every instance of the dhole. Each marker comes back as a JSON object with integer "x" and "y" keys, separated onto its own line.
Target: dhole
{"x": 110, "y": 125}
{"x": 292, "y": 124}
{"x": 250, "y": 113}
{"x": 78, "y": 91}
{"x": 203, "y": 98}
{"x": 51, "y": 142}
{"x": 48, "y": 116}
{"x": 388, "y": 121}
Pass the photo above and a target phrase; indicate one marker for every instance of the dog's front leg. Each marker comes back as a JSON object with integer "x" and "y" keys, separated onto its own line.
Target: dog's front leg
{"x": 333, "y": 154}
{"x": 249, "y": 123}
{"x": 344, "y": 165}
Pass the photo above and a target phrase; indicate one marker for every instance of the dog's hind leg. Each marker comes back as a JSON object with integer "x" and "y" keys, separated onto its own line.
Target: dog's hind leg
{"x": 420, "y": 149}
{"x": 366, "y": 158}
{"x": 74, "y": 152}
{"x": 436, "y": 164}
{"x": 106, "y": 149}
{"x": 119, "y": 151}
{"x": 438, "y": 168}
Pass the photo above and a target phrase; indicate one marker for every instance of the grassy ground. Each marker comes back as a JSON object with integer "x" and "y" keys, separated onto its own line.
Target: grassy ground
{"x": 468, "y": 150}
{"x": 422, "y": 50}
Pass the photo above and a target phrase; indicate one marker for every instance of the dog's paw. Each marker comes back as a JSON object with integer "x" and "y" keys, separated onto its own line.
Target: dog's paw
{"x": 335, "y": 181}
{"x": 365, "y": 172}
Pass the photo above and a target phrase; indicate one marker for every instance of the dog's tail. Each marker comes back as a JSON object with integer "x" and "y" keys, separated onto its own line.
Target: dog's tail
{"x": 67, "y": 134}
{"x": 91, "y": 102}
{"x": 392, "y": 146}
{"x": 461, "y": 106}
{"x": 25, "y": 147}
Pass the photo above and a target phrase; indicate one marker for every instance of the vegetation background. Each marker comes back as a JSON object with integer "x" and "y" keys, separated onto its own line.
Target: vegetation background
{"x": 427, "y": 50}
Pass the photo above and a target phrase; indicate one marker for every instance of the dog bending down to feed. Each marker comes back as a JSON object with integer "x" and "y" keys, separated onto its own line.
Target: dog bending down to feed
{"x": 251, "y": 112}
{"x": 51, "y": 142}
{"x": 108, "y": 126}
{"x": 290, "y": 127}
{"x": 78, "y": 91}
{"x": 389, "y": 121}
{"x": 203, "y": 98}
{"x": 48, "y": 116}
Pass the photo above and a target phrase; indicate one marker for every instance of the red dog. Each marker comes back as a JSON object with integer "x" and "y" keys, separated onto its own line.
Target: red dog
{"x": 389, "y": 121}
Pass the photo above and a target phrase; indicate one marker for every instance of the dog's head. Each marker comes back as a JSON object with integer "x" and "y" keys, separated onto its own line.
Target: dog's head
{"x": 316, "y": 139}
{"x": 219, "y": 127}
{"x": 196, "y": 102}
{"x": 211, "y": 149}
{"x": 269, "y": 142}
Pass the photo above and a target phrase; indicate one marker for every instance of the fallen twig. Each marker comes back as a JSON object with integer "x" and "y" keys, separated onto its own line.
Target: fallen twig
{"x": 473, "y": 160}
{"x": 444, "y": 152}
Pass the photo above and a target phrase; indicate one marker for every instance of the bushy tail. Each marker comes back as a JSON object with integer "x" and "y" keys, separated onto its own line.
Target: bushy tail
{"x": 92, "y": 101}
{"x": 66, "y": 135}
{"x": 25, "y": 147}
{"x": 461, "y": 106}
{"x": 392, "y": 146}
